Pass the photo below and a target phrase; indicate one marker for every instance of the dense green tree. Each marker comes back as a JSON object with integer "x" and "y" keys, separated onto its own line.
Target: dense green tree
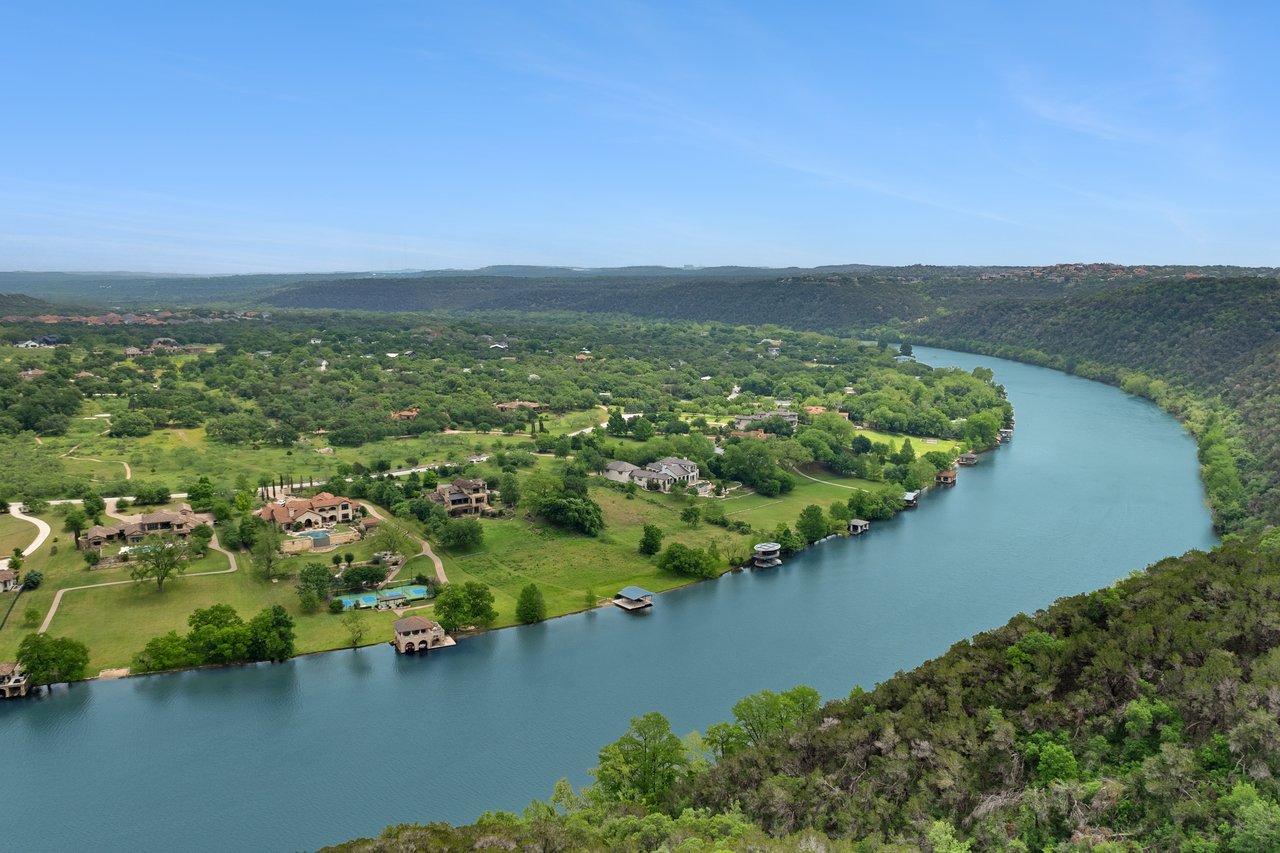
{"x": 363, "y": 576}
{"x": 461, "y": 534}
{"x": 315, "y": 578}
{"x": 509, "y": 490}
{"x": 160, "y": 558}
{"x": 271, "y": 635}
{"x": 52, "y": 660}
{"x": 459, "y": 605}
{"x": 531, "y": 607}
{"x": 266, "y": 552}
{"x": 812, "y": 524}
{"x": 644, "y": 763}
{"x": 680, "y": 559}
{"x": 167, "y": 651}
{"x": 651, "y": 540}
{"x": 131, "y": 425}
{"x": 75, "y": 522}
{"x": 579, "y": 514}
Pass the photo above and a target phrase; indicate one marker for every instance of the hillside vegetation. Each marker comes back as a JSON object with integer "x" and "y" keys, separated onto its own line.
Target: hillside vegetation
{"x": 1205, "y": 349}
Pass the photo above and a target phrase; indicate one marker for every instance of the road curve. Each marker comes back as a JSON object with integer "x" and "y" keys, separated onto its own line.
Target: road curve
{"x": 43, "y": 532}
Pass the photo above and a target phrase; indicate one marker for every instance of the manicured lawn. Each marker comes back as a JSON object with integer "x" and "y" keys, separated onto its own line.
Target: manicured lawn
{"x": 14, "y": 534}
{"x": 765, "y": 513}
{"x": 567, "y": 566}
{"x": 921, "y": 445}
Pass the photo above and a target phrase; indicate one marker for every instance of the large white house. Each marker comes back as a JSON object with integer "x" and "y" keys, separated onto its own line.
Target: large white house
{"x": 660, "y": 475}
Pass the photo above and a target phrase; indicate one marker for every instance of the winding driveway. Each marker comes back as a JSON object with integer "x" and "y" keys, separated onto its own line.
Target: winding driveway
{"x": 42, "y": 532}
{"x": 426, "y": 550}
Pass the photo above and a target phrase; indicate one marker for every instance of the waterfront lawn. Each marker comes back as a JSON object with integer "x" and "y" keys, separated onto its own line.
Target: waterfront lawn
{"x": 568, "y": 566}
{"x": 920, "y": 445}
{"x": 765, "y": 513}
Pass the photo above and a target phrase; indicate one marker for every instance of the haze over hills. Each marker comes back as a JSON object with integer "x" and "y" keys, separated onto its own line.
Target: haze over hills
{"x": 837, "y": 295}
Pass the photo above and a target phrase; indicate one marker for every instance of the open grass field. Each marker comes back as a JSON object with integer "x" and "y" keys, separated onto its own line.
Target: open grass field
{"x": 764, "y": 513}
{"x": 568, "y": 568}
{"x": 177, "y": 457}
{"x": 14, "y": 534}
{"x": 921, "y": 445}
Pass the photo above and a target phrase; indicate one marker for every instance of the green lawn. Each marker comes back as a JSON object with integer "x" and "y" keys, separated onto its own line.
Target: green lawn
{"x": 921, "y": 445}
{"x": 177, "y": 457}
{"x": 765, "y": 513}
{"x": 14, "y": 533}
{"x": 568, "y": 566}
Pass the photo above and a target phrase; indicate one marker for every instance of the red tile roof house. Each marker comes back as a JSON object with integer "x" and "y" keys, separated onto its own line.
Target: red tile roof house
{"x": 307, "y": 513}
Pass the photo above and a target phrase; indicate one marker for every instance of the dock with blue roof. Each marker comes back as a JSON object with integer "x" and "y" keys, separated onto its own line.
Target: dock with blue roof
{"x": 633, "y": 598}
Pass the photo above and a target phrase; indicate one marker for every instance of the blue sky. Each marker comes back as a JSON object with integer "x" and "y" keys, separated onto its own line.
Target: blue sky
{"x": 239, "y": 137}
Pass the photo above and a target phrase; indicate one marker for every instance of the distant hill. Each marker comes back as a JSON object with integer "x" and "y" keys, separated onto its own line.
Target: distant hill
{"x": 21, "y": 305}
{"x": 847, "y": 294}
{"x": 843, "y": 298}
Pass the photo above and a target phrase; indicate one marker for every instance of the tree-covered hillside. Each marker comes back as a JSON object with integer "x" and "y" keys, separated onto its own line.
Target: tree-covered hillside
{"x": 1220, "y": 338}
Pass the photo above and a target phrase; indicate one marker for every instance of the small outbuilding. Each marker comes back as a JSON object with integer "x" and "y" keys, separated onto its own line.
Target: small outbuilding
{"x": 945, "y": 478}
{"x": 858, "y": 526}
{"x": 967, "y": 459}
{"x": 910, "y": 500}
{"x": 633, "y": 598}
{"x": 13, "y": 681}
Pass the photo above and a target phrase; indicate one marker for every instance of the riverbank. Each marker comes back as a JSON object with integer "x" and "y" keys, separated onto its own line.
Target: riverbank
{"x": 116, "y": 616}
{"x": 1032, "y": 522}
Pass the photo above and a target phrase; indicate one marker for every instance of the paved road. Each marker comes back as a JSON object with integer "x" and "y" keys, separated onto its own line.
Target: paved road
{"x": 42, "y": 532}
{"x": 426, "y": 551}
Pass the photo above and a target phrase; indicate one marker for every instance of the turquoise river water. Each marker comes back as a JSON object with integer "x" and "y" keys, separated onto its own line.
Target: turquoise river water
{"x": 293, "y": 756}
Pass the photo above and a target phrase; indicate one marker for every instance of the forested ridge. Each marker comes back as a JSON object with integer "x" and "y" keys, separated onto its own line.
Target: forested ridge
{"x": 1219, "y": 339}
{"x": 821, "y": 299}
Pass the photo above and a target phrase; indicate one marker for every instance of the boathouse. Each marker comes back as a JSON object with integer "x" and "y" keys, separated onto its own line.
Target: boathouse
{"x": 1005, "y": 435}
{"x": 945, "y": 478}
{"x": 967, "y": 459}
{"x": 768, "y": 555}
{"x": 858, "y": 526}
{"x": 13, "y": 681}
{"x": 910, "y": 500}
{"x": 415, "y": 634}
{"x": 633, "y": 598}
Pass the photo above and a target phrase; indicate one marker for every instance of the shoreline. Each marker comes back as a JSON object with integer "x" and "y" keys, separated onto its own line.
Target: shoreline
{"x": 606, "y": 603}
